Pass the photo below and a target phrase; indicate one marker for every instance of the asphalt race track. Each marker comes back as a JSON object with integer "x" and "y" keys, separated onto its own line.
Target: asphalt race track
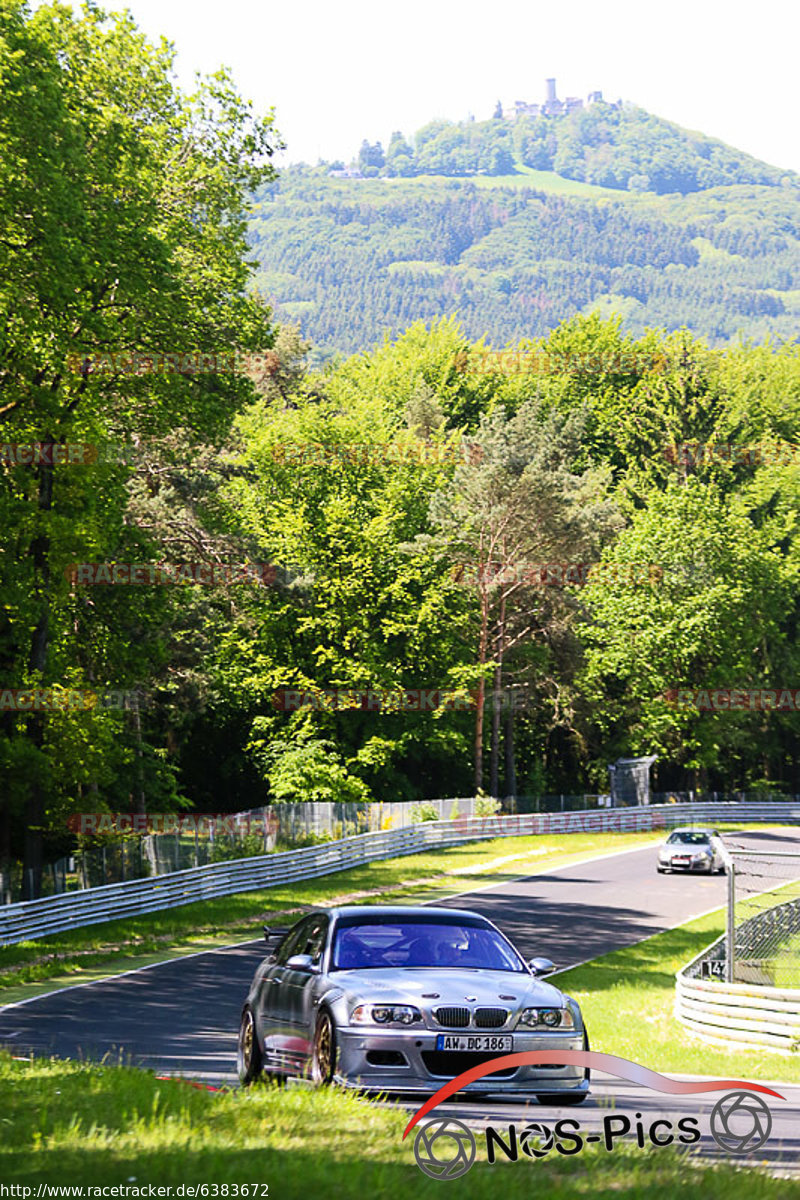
{"x": 182, "y": 1017}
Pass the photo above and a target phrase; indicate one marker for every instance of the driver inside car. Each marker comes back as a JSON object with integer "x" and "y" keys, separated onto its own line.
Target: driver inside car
{"x": 449, "y": 952}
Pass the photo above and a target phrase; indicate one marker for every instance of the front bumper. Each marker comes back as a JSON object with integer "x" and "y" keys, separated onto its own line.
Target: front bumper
{"x": 702, "y": 867}
{"x": 355, "y": 1070}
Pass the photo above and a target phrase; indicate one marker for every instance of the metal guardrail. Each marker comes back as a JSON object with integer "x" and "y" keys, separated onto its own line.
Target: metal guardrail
{"x": 33, "y": 919}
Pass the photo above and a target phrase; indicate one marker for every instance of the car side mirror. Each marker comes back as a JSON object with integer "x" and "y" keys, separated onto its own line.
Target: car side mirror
{"x": 541, "y": 966}
{"x": 302, "y": 962}
{"x": 273, "y": 937}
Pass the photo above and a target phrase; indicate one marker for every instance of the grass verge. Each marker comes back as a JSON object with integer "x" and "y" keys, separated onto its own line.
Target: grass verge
{"x": 94, "y": 1125}
{"x": 786, "y": 972}
{"x": 627, "y": 998}
{"x": 91, "y": 952}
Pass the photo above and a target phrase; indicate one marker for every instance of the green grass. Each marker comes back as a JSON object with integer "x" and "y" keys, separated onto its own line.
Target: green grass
{"x": 780, "y": 963}
{"x": 790, "y": 298}
{"x": 627, "y": 1000}
{"x": 787, "y": 964}
{"x": 524, "y": 177}
{"x": 709, "y": 252}
{"x": 610, "y": 304}
{"x": 548, "y": 181}
{"x": 83, "y": 1124}
{"x": 93, "y": 951}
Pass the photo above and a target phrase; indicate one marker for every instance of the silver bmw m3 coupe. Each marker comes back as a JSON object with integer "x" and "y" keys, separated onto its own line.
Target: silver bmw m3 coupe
{"x": 403, "y": 999}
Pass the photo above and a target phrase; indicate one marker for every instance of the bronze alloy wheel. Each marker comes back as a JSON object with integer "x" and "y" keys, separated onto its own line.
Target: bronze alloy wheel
{"x": 249, "y": 1056}
{"x": 323, "y": 1063}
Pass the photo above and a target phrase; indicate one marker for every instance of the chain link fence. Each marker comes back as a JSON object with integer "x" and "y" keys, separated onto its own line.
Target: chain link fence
{"x": 743, "y": 992}
{"x": 764, "y": 916}
{"x": 117, "y": 859}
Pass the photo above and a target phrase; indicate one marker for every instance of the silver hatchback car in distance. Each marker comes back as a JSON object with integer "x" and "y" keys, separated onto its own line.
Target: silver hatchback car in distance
{"x": 693, "y": 850}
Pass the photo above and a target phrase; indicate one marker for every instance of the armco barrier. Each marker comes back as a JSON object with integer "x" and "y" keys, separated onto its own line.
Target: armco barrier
{"x": 35, "y": 918}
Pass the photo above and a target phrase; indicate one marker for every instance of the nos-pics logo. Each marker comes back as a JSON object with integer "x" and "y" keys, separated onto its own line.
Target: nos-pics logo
{"x": 445, "y": 1148}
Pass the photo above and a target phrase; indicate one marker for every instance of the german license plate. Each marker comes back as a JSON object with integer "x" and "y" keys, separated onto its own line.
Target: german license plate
{"x": 680, "y": 862}
{"x": 482, "y": 1042}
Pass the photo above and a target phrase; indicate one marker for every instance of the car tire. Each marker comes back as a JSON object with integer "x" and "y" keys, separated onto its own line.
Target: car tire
{"x": 250, "y": 1060}
{"x": 323, "y": 1055}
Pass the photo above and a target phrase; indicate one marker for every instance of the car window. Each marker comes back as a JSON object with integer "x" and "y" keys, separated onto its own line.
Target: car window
{"x": 422, "y": 944}
{"x": 687, "y": 837}
{"x": 291, "y": 943}
{"x": 314, "y": 939}
{"x": 307, "y": 937}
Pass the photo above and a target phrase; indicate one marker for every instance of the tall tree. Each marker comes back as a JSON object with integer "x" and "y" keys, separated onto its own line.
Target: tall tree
{"x": 523, "y": 507}
{"x": 122, "y": 232}
{"x": 706, "y": 616}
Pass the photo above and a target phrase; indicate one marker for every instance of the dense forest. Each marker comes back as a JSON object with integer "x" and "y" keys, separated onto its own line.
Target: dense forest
{"x": 544, "y": 543}
{"x": 354, "y": 260}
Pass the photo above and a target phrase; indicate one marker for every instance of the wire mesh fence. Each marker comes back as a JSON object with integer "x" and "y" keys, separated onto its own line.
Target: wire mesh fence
{"x": 764, "y": 912}
{"x": 118, "y": 859}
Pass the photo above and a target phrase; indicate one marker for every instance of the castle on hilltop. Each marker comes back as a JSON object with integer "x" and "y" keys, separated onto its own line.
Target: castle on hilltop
{"x": 552, "y": 106}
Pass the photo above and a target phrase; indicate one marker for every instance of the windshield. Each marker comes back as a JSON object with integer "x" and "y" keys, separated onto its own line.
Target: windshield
{"x": 688, "y": 837}
{"x": 422, "y": 944}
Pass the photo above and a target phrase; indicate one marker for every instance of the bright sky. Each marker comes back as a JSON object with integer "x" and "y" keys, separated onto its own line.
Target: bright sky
{"x": 341, "y": 70}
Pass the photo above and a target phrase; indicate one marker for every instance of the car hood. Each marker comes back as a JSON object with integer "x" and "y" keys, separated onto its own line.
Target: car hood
{"x": 453, "y": 985}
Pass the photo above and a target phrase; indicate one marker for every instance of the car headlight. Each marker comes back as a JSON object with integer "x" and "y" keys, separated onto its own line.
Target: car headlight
{"x": 385, "y": 1014}
{"x": 550, "y": 1018}
{"x": 699, "y": 857}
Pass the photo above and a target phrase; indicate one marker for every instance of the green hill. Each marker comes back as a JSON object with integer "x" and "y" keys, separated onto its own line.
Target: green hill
{"x": 617, "y": 146}
{"x": 514, "y": 239}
